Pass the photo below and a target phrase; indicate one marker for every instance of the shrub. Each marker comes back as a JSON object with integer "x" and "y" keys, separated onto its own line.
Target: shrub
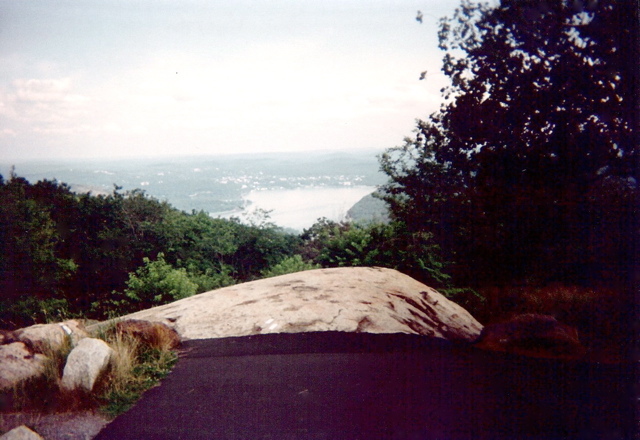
{"x": 392, "y": 245}
{"x": 158, "y": 282}
{"x": 29, "y": 310}
{"x": 289, "y": 265}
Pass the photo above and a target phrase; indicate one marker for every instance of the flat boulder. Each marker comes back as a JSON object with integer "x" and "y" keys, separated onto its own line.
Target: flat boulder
{"x": 41, "y": 336}
{"x": 155, "y": 334}
{"x": 533, "y": 335}
{"x": 18, "y": 363}
{"x": 350, "y": 299}
{"x": 85, "y": 364}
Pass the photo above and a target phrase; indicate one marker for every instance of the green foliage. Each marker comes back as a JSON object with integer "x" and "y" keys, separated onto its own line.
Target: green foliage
{"x": 158, "y": 282}
{"x": 151, "y": 365}
{"x": 28, "y": 241}
{"x": 289, "y": 265}
{"x": 29, "y": 310}
{"x": 528, "y": 173}
{"x": 392, "y": 245}
{"x": 80, "y": 248}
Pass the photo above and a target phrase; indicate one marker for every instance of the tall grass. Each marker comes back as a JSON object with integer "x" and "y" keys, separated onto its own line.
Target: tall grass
{"x": 134, "y": 368}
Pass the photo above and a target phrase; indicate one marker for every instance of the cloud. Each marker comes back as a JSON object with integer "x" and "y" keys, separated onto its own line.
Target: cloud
{"x": 283, "y": 95}
{"x": 38, "y": 104}
{"x": 8, "y": 132}
{"x": 39, "y": 90}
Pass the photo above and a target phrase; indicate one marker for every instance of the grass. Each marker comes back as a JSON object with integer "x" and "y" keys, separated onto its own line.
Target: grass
{"x": 134, "y": 368}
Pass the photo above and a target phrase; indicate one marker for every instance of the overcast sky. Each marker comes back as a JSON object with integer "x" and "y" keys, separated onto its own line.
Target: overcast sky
{"x": 115, "y": 78}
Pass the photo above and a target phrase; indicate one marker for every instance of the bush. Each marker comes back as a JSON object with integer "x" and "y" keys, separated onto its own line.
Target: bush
{"x": 289, "y": 265}
{"x": 332, "y": 244}
{"x": 29, "y": 310}
{"x": 158, "y": 282}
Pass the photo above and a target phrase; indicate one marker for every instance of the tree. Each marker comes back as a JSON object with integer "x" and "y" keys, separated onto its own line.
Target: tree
{"x": 533, "y": 143}
{"x": 29, "y": 236}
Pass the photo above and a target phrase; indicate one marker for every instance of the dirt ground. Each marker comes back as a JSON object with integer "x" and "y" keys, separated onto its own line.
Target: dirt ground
{"x": 80, "y": 425}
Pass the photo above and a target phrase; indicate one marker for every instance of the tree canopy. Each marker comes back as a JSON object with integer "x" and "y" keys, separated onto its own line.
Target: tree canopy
{"x": 530, "y": 167}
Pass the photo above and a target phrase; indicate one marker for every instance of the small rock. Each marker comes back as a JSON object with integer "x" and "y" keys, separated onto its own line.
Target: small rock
{"x": 40, "y": 336}
{"x": 18, "y": 363}
{"x": 533, "y": 335}
{"x": 20, "y": 433}
{"x": 86, "y": 362}
{"x": 156, "y": 334}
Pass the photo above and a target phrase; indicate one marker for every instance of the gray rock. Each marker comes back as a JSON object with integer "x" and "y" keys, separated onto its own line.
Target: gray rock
{"x": 39, "y": 336}
{"x": 350, "y": 299}
{"x": 86, "y": 362}
{"x": 20, "y": 433}
{"x": 18, "y": 363}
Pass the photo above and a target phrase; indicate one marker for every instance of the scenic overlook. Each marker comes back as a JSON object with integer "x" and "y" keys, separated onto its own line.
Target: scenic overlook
{"x": 296, "y": 189}
{"x": 337, "y": 219}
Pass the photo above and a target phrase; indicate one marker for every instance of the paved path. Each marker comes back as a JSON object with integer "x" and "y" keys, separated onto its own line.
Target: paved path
{"x": 362, "y": 386}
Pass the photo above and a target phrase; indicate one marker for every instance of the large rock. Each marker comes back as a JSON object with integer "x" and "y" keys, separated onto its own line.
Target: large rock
{"x": 533, "y": 335}
{"x": 41, "y": 336}
{"x": 155, "y": 334}
{"x": 20, "y": 433}
{"x": 355, "y": 299}
{"x": 86, "y": 362}
{"x": 18, "y": 363}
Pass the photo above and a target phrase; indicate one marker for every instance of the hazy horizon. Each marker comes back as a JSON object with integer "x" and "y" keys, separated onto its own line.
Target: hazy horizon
{"x": 298, "y": 188}
{"x": 5, "y": 163}
{"x": 143, "y": 79}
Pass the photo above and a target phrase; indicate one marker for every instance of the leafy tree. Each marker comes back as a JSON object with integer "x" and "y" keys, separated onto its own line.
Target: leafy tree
{"x": 197, "y": 240}
{"x": 28, "y": 239}
{"x": 529, "y": 169}
{"x": 260, "y": 246}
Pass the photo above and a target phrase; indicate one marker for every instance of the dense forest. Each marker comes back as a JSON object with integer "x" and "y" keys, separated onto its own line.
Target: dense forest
{"x": 519, "y": 194}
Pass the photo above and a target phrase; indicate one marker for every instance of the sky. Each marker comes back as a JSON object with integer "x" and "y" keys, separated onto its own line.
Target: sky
{"x": 144, "y": 78}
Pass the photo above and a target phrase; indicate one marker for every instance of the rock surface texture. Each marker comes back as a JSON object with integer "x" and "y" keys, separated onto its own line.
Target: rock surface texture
{"x": 86, "y": 362}
{"x": 20, "y": 433}
{"x": 354, "y": 299}
{"x": 40, "y": 335}
{"x": 18, "y": 363}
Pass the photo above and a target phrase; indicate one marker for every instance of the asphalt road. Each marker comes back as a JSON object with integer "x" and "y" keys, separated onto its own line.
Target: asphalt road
{"x": 334, "y": 385}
